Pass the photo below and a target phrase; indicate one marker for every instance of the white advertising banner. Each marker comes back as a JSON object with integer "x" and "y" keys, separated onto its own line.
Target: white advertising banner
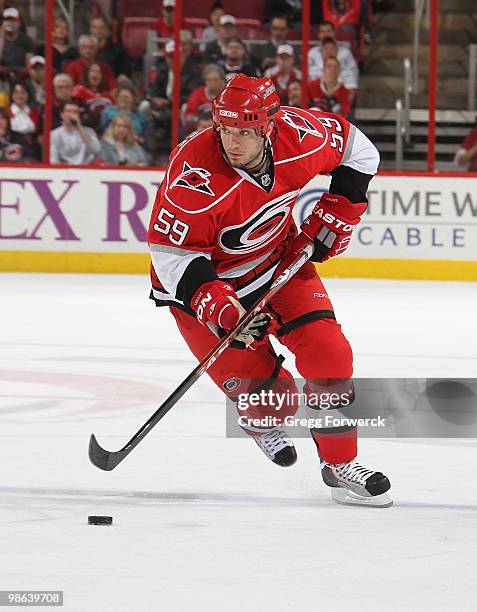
{"x": 412, "y": 217}
{"x": 79, "y": 210}
{"x": 107, "y": 211}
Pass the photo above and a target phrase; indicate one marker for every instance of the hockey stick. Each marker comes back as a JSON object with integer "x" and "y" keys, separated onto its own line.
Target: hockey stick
{"x": 108, "y": 460}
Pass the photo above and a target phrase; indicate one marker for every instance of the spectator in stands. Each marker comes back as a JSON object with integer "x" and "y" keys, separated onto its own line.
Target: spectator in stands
{"x": 265, "y": 56}
{"x": 94, "y": 93}
{"x": 4, "y": 87}
{"x": 93, "y": 85}
{"x": 16, "y": 47}
{"x": 25, "y": 119}
{"x": 126, "y": 105}
{"x": 467, "y": 153}
{"x": 36, "y": 80}
{"x": 118, "y": 147}
{"x": 112, "y": 53}
{"x": 62, "y": 52}
{"x": 88, "y": 47}
{"x": 236, "y": 60}
{"x": 215, "y": 50}
{"x": 62, "y": 92}
{"x": 165, "y": 25}
{"x": 328, "y": 94}
{"x": 294, "y": 94}
{"x": 201, "y": 98}
{"x": 158, "y": 107}
{"x": 190, "y": 72}
{"x": 205, "y": 121}
{"x": 284, "y": 72}
{"x": 72, "y": 143}
{"x": 12, "y": 148}
{"x": 211, "y": 32}
{"x": 291, "y": 10}
{"x": 343, "y": 14}
{"x": 349, "y": 67}
{"x": 329, "y": 48}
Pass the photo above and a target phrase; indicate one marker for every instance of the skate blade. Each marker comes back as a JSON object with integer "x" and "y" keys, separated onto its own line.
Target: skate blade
{"x": 348, "y": 498}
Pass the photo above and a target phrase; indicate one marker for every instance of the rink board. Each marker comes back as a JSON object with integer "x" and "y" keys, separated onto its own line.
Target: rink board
{"x": 95, "y": 220}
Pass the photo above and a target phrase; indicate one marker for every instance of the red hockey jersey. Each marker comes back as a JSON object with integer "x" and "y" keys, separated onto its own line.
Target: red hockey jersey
{"x": 207, "y": 208}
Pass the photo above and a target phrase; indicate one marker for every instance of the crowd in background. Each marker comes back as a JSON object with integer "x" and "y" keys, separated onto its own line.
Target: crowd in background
{"x": 105, "y": 111}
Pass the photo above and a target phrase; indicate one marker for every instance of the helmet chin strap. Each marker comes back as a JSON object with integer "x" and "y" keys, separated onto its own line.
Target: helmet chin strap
{"x": 265, "y": 149}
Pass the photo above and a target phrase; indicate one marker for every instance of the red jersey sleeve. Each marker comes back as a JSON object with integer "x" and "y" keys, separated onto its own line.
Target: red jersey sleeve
{"x": 317, "y": 143}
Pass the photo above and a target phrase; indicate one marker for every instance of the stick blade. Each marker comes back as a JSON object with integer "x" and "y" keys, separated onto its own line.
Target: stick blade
{"x": 101, "y": 458}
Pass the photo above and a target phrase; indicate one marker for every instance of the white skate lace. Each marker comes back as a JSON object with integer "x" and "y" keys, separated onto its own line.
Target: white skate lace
{"x": 273, "y": 442}
{"x": 353, "y": 471}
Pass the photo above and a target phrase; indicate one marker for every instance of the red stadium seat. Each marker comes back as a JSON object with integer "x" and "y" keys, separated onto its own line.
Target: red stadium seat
{"x": 295, "y": 35}
{"x": 248, "y": 28}
{"x": 195, "y": 8}
{"x": 251, "y": 23}
{"x": 133, "y": 8}
{"x": 262, "y": 33}
{"x": 134, "y": 35}
{"x": 247, "y": 9}
{"x": 196, "y": 25}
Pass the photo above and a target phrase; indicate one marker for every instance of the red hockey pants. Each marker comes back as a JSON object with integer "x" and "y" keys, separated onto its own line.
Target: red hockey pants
{"x": 309, "y": 330}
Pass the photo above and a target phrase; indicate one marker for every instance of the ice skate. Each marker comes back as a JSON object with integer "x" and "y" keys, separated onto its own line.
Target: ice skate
{"x": 354, "y": 485}
{"x": 277, "y": 446}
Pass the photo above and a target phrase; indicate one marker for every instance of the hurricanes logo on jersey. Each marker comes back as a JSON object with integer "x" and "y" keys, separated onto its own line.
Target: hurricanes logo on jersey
{"x": 262, "y": 228}
{"x": 301, "y": 125}
{"x": 196, "y": 179}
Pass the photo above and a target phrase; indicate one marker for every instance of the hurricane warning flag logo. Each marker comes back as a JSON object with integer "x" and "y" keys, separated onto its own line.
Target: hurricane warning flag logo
{"x": 301, "y": 125}
{"x": 196, "y": 179}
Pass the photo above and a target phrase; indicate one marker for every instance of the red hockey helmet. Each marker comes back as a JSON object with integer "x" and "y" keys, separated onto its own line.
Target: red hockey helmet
{"x": 246, "y": 102}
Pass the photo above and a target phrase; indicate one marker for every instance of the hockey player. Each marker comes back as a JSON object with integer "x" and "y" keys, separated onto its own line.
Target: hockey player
{"x": 220, "y": 230}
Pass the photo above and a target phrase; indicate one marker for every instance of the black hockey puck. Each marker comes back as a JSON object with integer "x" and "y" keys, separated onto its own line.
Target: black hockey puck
{"x": 100, "y": 520}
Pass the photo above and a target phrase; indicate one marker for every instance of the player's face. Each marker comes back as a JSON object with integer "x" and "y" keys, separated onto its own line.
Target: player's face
{"x": 243, "y": 147}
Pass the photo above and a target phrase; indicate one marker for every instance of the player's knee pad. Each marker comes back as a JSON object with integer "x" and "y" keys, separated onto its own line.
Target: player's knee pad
{"x": 269, "y": 403}
{"x": 329, "y": 393}
{"x": 334, "y": 436}
{"x": 324, "y": 351}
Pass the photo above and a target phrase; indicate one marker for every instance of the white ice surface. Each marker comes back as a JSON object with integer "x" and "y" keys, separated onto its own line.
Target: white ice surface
{"x": 201, "y": 522}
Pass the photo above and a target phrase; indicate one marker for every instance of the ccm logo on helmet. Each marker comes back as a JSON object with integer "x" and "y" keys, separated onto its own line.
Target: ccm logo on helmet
{"x": 337, "y": 223}
{"x": 227, "y": 113}
{"x": 269, "y": 91}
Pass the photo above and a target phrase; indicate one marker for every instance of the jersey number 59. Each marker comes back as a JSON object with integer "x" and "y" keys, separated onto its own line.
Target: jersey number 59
{"x": 168, "y": 224}
{"x": 336, "y": 140}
